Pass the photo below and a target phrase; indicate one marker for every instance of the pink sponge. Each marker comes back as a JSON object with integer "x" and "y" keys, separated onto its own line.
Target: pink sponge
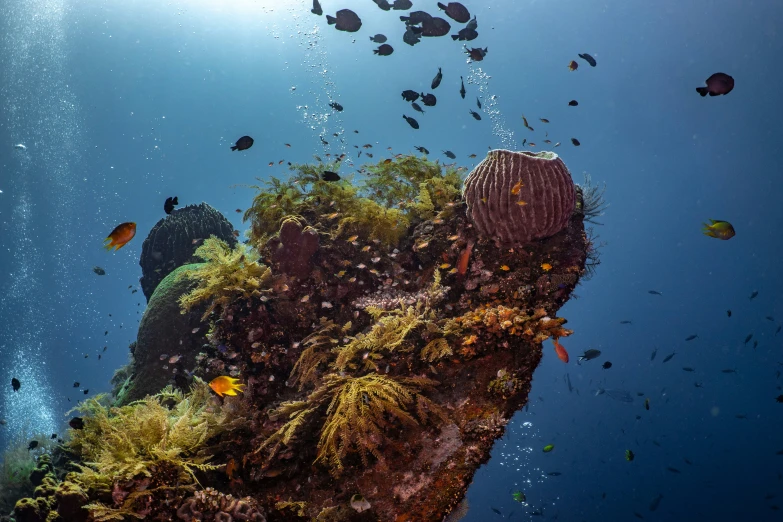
{"x": 518, "y": 197}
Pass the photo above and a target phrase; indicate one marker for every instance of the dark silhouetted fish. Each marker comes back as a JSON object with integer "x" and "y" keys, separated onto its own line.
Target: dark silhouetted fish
{"x": 316, "y": 10}
{"x": 98, "y": 270}
{"x": 478, "y": 102}
{"x": 169, "y": 204}
{"x": 589, "y": 59}
{"x": 435, "y": 27}
{"x": 412, "y": 35}
{"x": 717, "y": 84}
{"x": 383, "y": 4}
{"x": 626, "y": 322}
{"x": 656, "y": 502}
{"x": 243, "y": 143}
{"x": 33, "y": 444}
{"x": 654, "y": 353}
{"x": 412, "y": 122}
{"x": 417, "y": 107}
{"x": 573, "y": 103}
{"x": 416, "y": 18}
{"x": 76, "y": 423}
{"x": 449, "y": 154}
{"x": 378, "y": 38}
{"x": 589, "y": 355}
{"x": 728, "y": 313}
{"x": 409, "y": 95}
{"x": 753, "y": 295}
{"x": 384, "y": 50}
{"x": 575, "y": 142}
{"x": 465, "y": 35}
{"x": 691, "y": 337}
{"x": 436, "y": 80}
{"x": 402, "y": 5}
{"x": 606, "y": 365}
{"x": 336, "y": 106}
{"x": 428, "y": 99}
{"x": 476, "y": 116}
{"x": 15, "y": 384}
{"x": 462, "y": 87}
{"x": 654, "y": 292}
{"x": 345, "y": 20}
{"x": 456, "y": 11}
{"x": 76, "y": 385}
{"x": 669, "y": 357}
{"x": 688, "y": 369}
{"x": 328, "y": 175}
{"x": 477, "y": 54}
{"x": 423, "y": 150}
{"x": 748, "y": 338}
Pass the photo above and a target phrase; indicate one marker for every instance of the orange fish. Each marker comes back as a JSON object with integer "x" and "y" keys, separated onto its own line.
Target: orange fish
{"x": 517, "y": 187}
{"x": 225, "y": 385}
{"x": 573, "y": 66}
{"x": 231, "y": 467}
{"x": 464, "y": 258}
{"x": 120, "y": 235}
{"x": 562, "y": 354}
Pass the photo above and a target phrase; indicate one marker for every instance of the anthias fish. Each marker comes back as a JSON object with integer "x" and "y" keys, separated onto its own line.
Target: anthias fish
{"x": 120, "y": 236}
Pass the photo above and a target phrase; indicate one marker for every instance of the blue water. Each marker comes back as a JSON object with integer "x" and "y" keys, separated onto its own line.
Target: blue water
{"x": 122, "y": 104}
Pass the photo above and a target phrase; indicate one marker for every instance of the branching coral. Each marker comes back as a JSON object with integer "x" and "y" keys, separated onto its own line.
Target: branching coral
{"x": 225, "y": 276}
{"x": 593, "y": 203}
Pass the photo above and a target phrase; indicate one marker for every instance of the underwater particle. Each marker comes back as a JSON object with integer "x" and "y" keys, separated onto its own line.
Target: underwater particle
{"x": 437, "y": 79}
{"x": 120, "y": 236}
{"x": 573, "y": 103}
{"x": 629, "y": 456}
{"x": 456, "y": 11}
{"x": 519, "y": 496}
{"x": 336, "y": 106}
{"x": 717, "y": 84}
{"x": 462, "y": 90}
{"x": 476, "y": 116}
{"x": 243, "y": 143}
{"x": 575, "y": 142}
{"x": 169, "y": 204}
{"x": 409, "y": 95}
{"x": 428, "y": 99}
{"x": 359, "y": 503}
{"x": 476, "y": 54}
{"x": 15, "y": 384}
{"x": 411, "y": 121}
{"x": 548, "y": 448}
{"x": 76, "y": 423}
{"x": 718, "y": 229}
{"x": 562, "y": 354}
{"x": 546, "y": 267}
{"x": 33, "y": 444}
{"x": 316, "y": 10}
{"x": 384, "y": 50}
{"x": 20, "y": 146}
{"x": 589, "y": 355}
{"x": 225, "y": 385}
{"x": 328, "y": 175}
{"x": 606, "y": 365}
{"x": 647, "y": 403}
{"x": 345, "y": 20}
{"x": 589, "y": 59}
{"x": 378, "y": 38}
{"x": 572, "y": 65}
{"x": 98, "y": 270}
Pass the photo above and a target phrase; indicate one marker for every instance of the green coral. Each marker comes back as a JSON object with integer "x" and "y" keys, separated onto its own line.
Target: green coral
{"x": 227, "y": 274}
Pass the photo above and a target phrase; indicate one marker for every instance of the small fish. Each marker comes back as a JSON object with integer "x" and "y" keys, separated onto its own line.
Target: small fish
{"x": 562, "y": 354}
{"x": 718, "y": 229}
{"x": 15, "y": 384}
{"x": 691, "y": 337}
{"x": 546, "y": 267}
{"x": 728, "y": 313}
{"x": 626, "y": 322}
{"x": 316, "y": 10}
{"x": 225, "y": 385}
{"x": 98, "y": 270}
{"x": 575, "y": 142}
{"x": 548, "y": 448}
{"x": 478, "y": 102}
{"x": 606, "y": 365}
{"x": 120, "y": 236}
{"x": 436, "y": 81}
{"x": 741, "y": 416}
{"x": 496, "y": 510}
{"x": 573, "y": 103}
{"x": 417, "y": 107}
{"x": 669, "y": 357}
{"x": 20, "y": 146}
{"x": 243, "y": 143}
{"x": 589, "y": 59}
{"x": 505, "y": 268}
{"x": 384, "y": 50}
{"x": 777, "y": 330}
{"x": 673, "y": 470}
{"x": 518, "y": 496}
{"x": 638, "y": 515}
{"x": 554, "y": 473}
{"x": 76, "y": 423}
{"x": 476, "y": 116}
{"x": 33, "y": 444}
{"x": 654, "y": 292}
{"x": 477, "y": 54}
{"x": 647, "y": 403}
{"x": 412, "y": 122}
{"x": 464, "y": 258}
{"x": 449, "y": 154}
{"x": 748, "y": 338}
{"x": 717, "y": 84}
{"x": 169, "y": 204}
{"x": 328, "y": 175}
{"x": 543, "y": 120}
{"x": 336, "y": 106}
{"x": 629, "y": 456}
{"x": 753, "y": 295}
{"x": 770, "y": 318}
{"x": 589, "y": 355}
{"x": 86, "y": 391}
{"x": 654, "y": 353}
{"x": 429, "y": 100}
{"x": 378, "y": 38}
{"x": 779, "y": 398}
{"x": 54, "y": 436}
{"x": 345, "y": 20}
{"x": 462, "y": 90}
{"x": 409, "y": 95}
{"x": 423, "y": 150}
{"x": 729, "y": 370}
{"x": 456, "y": 11}
{"x": 572, "y": 65}
{"x": 688, "y": 369}
{"x": 517, "y": 187}
{"x": 656, "y": 502}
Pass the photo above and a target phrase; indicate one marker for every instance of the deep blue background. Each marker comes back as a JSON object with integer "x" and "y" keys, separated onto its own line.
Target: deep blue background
{"x": 124, "y": 104}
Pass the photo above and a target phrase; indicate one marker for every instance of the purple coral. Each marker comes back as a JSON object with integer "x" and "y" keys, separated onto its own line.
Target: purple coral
{"x": 518, "y": 197}
{"x": 294, "y": 247}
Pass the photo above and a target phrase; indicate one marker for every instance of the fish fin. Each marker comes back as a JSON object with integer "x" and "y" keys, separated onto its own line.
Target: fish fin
{"x": 455, "y": 37}
{"x": 331, "y": 20}
{"x": 441, "y": 6}
{"x": 230, "y": 392}
{"x": 702, "y": 90}
{"x": 376, "y": 51}
{"x": 713, "y": 94}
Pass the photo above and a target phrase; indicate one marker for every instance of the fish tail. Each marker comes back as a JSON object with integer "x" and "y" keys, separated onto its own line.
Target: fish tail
{"x": 331, "y": 20}
{"x": 234, "y": 147}
{"x": 702, "y": 90}
{"x": 455, "y": 37}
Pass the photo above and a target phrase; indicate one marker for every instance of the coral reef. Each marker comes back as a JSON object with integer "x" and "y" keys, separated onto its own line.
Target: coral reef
{"x": 518, "y": 197}
{"x": 173, "y": 240}
{"x": 209, "y": 504}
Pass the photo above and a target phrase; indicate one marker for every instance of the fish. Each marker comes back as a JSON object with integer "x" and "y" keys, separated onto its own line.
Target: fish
{"x": 777, "y": 330}
{"x": 629, "y": 456}
{"x": 411, "y": 121}
{"x": 573, "y": 103}
{"x": 33, "y": 444}
{"x": 120, "y": 236}
{"x": 717, "y": 84}
{"x": 225, "y": 385}
{"x": 687, "y": 461}
{"x": 437, "y": 79}
{"x": 477, "y": 54}
{"x": 589, "y": 59}
{"x": 466, "y": 34}
{"x": 86, "y": 391}
{"x": 718, "y": 229}
{"x": 169, "y": 204}
{"x": 417, "y": 107}
{"x": 575, "y": 142}
{"x": 316, "y": 10}
{"x": 384, "y": 50}
{"x": 423, "y": 150}
{"x": 688, "y": 369}
{"x": 412, "y": 35}
{"x": 561, "y": 352}
{"x": 548, "y": 448}
{"x": 76, "y": 423}
{"x": 98, "y": 270}
{"x": 656, "y": 502}
{"x": 589, "y": 355}
{"x": 654, "y": 353}
{"x": 402, "y": 5}
{"x": 606, "y": 365}
{"x": 464, "y": 259}
{"x": 691, "y": 337}
{"x": 669, "y": 357}
{"x": 647, "y": 404}
{"x": 753, "y": 295}
{"x": 496, "y": 510}
{"x": 462, "y": 90}
{"x": 638, "y": 515}
{"x": 409, "y": 95}
{"x": 654, "y": 292}
{"x": 434, "y": 26}
{"x": 54, "y": 436}
{"x": 15, "y": 384}
{"x": 243, "y": 143}
{"x": 626, "y": 322}
{"x": 336, "y": 106}
{"x": 748, "y": 338}
{"x": 429, "y": 99}
{"x": 20, "y": 146}
{"x": 345, "y": 20}
{"x": 546, "y": 267}
{"x": 478, "y": 102}
{"x": 741, "y": 416}
{"x": 770, "y": 318}
{"x": 378, "y": 38}
{"x": 728, "y": 313}
{"x": 554, "y": 473}
{"x": 456, "y": 11}
{"x": 449, "y": 154}
{"x": 729, "y": 370}
{"x": 673, "y": 470}
{"x": 779, "y": 398}
{"x": 572, "y": 65}
{"x": 476, "y": 116}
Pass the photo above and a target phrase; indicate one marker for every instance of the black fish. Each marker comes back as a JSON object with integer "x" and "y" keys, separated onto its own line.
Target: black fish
{"x": 243, "y": 143}
{"x": 336, "y": 106}
{"x": 384, "y": 50}
{"x": 589, "y": 59}
{"x": 687, "y": 461}
{"x": 435, "y": 27}
{"x": 378, "y": 38}
{"x": 436, "y": 80}
{"x": 54, "y": 435}
{"x": 86, "y": 391}
{"x": 412, "y": 35}
{"x": 606, "y": 365}
{"x": 654, "y": 353}
{"x": 656, "y": 501}
{"x": 673, "y": 470}
{"x": 462, "y": 88}
{"x": 423, "y": 150}
{"x": 573, "y": 103}
{"x": 779, "y": 398}
{"x": 626, "y": 322}
{"x": 402, "y": 5}
{"x": 170, "y": 203}
{"x": 76, "y": 423}
{"x": 496, "y": 510}
{"x": 104, "y": 348}
{"x": 638, "y": 515}
{"x": 428, "y": 99}
{"x": 669, "y": 357}
{"x": 748, "y": 338}
{"x": 345, "y": 20}
{"x": 729, "y": 370}
{"x": 465, "y": 34}
{"x": 476, "y": 116}
{"x": 409, "y": 95}
{"x": 688, "y": 369}
{"x": 76, "y": 385}
{"x": 654, "y": 292}
{"x": 478, "y": 102}
{"x": 755, "y": 344}
{"x": 456, "y": 11}
{"x": 416, "y": 18}
{"x": 15, "y": 384}
{"x": 554, "y": 473}
{"x": 647, "y": 404}
{"x": 728, "y": 312}
{"x": 413, "y": 123}
{"x": 777, "y": 331}
{"x": 98, "y": 270}
{"x": 383, "y": 4}
{"x": 33, "y": 444}
{"x": 589, "y": 355}
{"x": 449, "y": 154}
{"x": 753, "y": 295}
{"x": 417, "y": 107}
{"x": 316, "y": 10}
{"x": 575, "y": 142}
{"x": 477, "y": 54}
{"x": 328, "y": 175}
{"x": 691, "y": 337}
{"x": 718, "y": 83}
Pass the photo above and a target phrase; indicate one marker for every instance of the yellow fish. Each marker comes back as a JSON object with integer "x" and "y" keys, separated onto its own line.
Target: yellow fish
{"x": 546, "y": 267}
{"x": 353, "y": 238}
{"x": 505, "y": 268}
{"x": 516, "y": 188}
{"x": 718, "y": 229}
{"x": 225, "y": 385}
{"x": 120, "y": 236}
{"x": 444, "y": 266}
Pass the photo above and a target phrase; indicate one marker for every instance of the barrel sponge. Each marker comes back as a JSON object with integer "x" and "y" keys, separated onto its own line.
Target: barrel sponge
{"x": 544, "y": 201}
